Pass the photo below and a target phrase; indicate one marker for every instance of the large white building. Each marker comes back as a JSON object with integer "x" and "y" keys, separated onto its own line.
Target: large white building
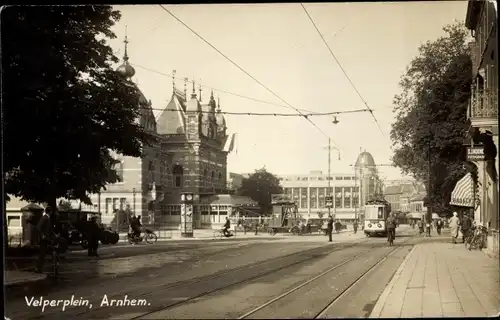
{"x": 309, "y": 190}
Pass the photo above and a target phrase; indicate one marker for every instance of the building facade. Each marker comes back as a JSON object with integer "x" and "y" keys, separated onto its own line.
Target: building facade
{"x": 399, "y": 193}
{"x": 234, "y": 181}
{"x": 481, "y": 19}
{"x": 349, "y": 190}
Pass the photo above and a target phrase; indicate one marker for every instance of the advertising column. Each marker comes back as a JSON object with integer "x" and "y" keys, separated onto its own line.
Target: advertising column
{"x": 187, "y": 215}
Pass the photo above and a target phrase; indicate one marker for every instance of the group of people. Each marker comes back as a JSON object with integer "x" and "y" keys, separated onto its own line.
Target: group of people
{"x": 464, "y": 225}
{"x": 51, "y": 231}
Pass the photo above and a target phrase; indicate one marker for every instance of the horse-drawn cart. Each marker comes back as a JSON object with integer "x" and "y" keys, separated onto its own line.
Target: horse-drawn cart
{"x": 284, "y": 215}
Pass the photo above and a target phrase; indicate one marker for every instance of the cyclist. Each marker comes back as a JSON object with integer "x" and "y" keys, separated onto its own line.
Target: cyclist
{"x": 225, "y": 229}
{"x": 135, "y": 225}
{"x": 390, "y": 224}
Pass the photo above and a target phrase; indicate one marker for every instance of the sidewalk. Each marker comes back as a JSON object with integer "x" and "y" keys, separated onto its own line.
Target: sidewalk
{"x": 442, "y": 280}
{"x": 15, "y": 277}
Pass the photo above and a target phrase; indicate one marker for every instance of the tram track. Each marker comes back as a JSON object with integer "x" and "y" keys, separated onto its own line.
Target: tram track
{"x": 249, "y": 279}
{"x": 285, "y": 261}
{"x": 324, "y": 310}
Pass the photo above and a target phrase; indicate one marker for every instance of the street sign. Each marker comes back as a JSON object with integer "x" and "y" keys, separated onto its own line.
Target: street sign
{"x": 475, "y": 154}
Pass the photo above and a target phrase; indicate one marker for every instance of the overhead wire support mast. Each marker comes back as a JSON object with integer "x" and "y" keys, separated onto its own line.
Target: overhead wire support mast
{"x": 342, "y": 68}
{"x": 244, "y": 71}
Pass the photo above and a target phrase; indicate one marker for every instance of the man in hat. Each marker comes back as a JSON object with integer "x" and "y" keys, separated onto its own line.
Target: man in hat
{"x": 93, "y": 233}
{"x": 44, "y": 228}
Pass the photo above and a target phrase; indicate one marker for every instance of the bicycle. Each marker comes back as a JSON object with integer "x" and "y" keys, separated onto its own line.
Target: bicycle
{"x": 390, "y": 237}
{"x": 479, "y": 238}
{"x": 219, "y": 234}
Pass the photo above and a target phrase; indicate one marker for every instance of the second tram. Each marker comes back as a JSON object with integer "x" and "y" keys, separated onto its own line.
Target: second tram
{"x": 376, "y": 213}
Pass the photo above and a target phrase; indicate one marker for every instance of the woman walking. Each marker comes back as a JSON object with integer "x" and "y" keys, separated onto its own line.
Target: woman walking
{"x": 454, "y": 225}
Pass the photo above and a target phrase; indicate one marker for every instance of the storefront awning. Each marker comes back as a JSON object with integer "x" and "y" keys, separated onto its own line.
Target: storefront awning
{"x": 463, "y": 194}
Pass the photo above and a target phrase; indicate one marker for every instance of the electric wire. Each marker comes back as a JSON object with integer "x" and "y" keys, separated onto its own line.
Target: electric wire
{"x": 220, "y": 90}
{"x": 342, "y": 68}
{"x": 246, "y": 72}
{"x": 271, "y": 114}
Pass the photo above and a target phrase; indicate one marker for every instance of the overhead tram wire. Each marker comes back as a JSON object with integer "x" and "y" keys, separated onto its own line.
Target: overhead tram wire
{"x": 274, "y": 114}
{"x": 342, "y": 68}
{"x": 220, "y": 90}
{"x": 246, "y": 72}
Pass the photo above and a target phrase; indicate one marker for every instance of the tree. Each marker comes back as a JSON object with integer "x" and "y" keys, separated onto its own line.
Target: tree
{"x": 260, "y": 186}
{"x": 65, "y": 107}
{"x": 431, "y": 114}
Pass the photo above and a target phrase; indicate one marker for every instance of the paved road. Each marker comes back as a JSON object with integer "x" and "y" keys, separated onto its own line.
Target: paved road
{"x": 226, "y": 279}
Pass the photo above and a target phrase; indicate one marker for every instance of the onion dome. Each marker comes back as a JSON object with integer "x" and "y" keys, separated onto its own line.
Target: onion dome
{"x": 126, "y": 70}
{"x": 365, "y": 159}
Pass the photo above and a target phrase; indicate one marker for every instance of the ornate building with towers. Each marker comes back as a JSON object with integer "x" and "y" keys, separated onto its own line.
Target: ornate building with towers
{"x": 195, "y": 145}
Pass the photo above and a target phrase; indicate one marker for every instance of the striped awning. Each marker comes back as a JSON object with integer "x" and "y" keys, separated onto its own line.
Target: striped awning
{"x": 463, "y": 194}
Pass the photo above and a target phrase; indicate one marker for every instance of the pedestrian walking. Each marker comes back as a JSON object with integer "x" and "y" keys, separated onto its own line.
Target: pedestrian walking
{"x": 454, "y": 225}
{"x": 428, "y": 227}
{"x": 439, "y": 226}
{"x": 94, "y": 232}
{"x": 44, "y": 229}
{"x": 466, "y": 226}
{"x": 420, "y": 225}
{"x": 355, "y": 226}
{"x": 329, "y": 228}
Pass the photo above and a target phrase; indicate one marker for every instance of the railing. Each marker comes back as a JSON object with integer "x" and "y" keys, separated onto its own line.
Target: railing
{"x": 484, "y": 104}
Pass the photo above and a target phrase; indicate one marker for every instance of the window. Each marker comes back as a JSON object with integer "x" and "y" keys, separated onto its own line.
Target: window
{"x": 313, "y": 178}
{"x": 303, "y": 198}
{"x": 108, "y": 205}
{"x": 14, "y": 222}
{"x": 220, "y": 177}
{"x": 338, "y": 197}
{"x": 338, "y": 178}
{"x": 321, "y": 196}
{"x": 355, "y": 197}
{"x": 347, "y": 178}
{"x": 151, "y": 166}
{"x": 178, "y": 173}
{"x": 347, "y": 197}
{"x": 115, "y": 204}
{"x": 313, "y": 199}
{"x": 213, "y": 176}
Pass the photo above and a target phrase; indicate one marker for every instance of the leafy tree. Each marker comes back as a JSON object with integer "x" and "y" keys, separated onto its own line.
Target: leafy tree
{"x": 431, "y": 114}
{"x": 65, "y": 107}
{"x": 260, "y": 186}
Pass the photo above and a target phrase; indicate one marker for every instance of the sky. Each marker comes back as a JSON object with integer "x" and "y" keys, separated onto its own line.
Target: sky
{"x": 279, "y": 46}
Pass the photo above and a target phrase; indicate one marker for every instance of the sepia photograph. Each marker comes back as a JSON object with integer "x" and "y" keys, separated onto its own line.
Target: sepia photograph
{"x": 250, "y": 160}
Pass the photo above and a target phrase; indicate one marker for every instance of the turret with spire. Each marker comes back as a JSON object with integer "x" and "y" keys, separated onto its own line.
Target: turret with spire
{"x": 126, "y": 70}
{"x": 221, "y": 121}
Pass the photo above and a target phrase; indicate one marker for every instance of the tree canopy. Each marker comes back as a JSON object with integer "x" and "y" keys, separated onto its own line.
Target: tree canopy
{"x": 65, "y": 107}
{"x": 259, "y": 186}
{"x": 431, "y": 114}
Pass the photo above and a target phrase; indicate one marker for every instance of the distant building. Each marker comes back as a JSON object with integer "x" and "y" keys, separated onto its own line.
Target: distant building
{"x": 399, "y": 193}
{"x": 309, "y": 190}
{"x": 234, "y": 181}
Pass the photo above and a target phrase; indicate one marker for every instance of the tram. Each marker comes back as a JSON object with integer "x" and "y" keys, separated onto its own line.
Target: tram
{"x": 284, "y": 215}
{"x": 376, "y": 213}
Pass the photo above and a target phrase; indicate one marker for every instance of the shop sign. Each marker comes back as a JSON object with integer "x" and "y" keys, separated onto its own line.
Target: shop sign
{"x": 475, "y": 154}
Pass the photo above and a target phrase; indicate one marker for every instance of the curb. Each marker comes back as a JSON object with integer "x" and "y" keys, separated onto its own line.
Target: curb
{"x": 21, "y": 283}
{"x": 379, "y": 306}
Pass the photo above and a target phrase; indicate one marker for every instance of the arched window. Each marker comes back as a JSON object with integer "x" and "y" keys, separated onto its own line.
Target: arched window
{"x": 205, "y": 176}
{"x": 178, "y": 173}
{"x": 118, "y": 167}
{"x": 213, "y": 177}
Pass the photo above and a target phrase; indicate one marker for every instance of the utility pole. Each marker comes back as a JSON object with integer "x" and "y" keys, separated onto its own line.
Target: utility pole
{"x": 329, "y": 173}
{"x": 429, "y": 207}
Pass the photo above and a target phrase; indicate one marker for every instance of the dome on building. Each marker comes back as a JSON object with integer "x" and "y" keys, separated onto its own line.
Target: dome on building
{"x": 126, "y": 70}
{"x": 365, "y": 159}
